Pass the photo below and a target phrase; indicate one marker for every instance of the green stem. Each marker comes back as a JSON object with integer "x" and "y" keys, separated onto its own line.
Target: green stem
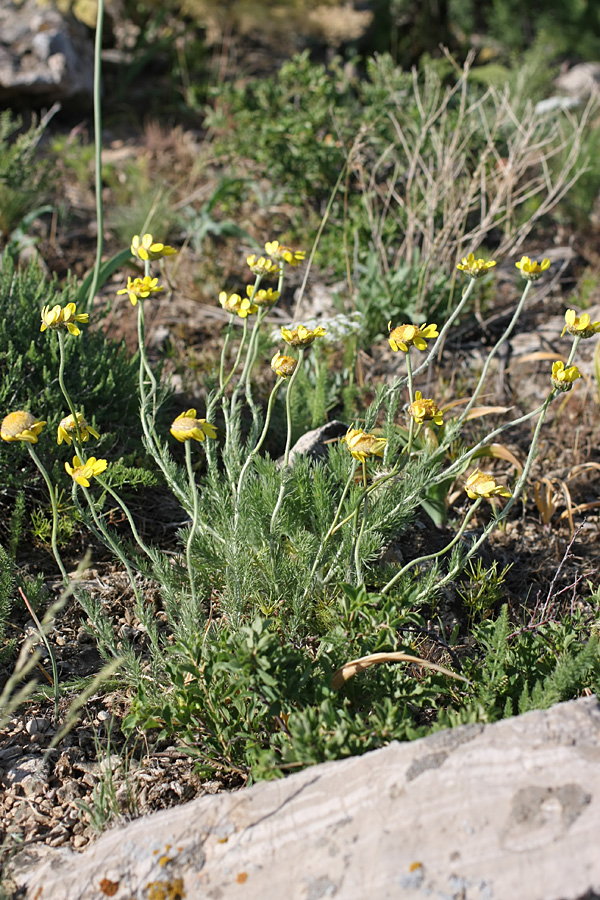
{"x": 257, "y": 447}
{"x": 98, "y": 150}
{"x": 61, "y": 380}
{"x": 52, "y": 493}
{"x": 194, "y": 526}
{"x": 411, "y": 424}
{"x": 421, "y": 559}
{"x": 357, "y": 565}
{"x": 332, "y": 527}
{"x": 288, "y": 440}
{"x": 125, "y": 509}
{"x": 504, "y": 337}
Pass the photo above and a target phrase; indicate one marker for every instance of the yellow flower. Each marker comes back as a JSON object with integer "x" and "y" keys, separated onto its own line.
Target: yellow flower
{"x": 21, "y": 426}
{"x": 283, "y": 365}
{"x": 230, "y": 302}
{"x": 404, "y": 336}
{"x": 187, "y": 427}
{"x": 262, "y": 297}
{"x": 140, "y": 288}
{"x": 262, "y": 265}
{"x": 425, "y": 410}
{"x": 362, "y": 444}
{"x": 147, "y": 248}
{"x": 301, "y": 336}
{"x": 280, "y": 252}
{"x": 481, "y": 485}
{"x": 532, "y": 270}
{"x": 474, "y": 268}
{"x": 82, "y": 472}
{"x": 67, "y": 429}
{"x": 580, "y": 326}
{"x": 56, "y": 317}
{"x": 562, "y": 378}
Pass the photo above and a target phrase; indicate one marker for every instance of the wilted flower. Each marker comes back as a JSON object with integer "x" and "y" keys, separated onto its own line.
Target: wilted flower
{"x": 301, "y": 336}
{"x": 283, "y": 365}
{"x": 187, "y": 427}
{"x": 280, "y": 252}
{"x": 82, "y": 472}
{"x": 56, "y": 317}
{"x": 562, "y": 378}
{"x": 262, "y": 297}
{"x": 532, "y": 270}
{"x": 361, "y": 444}
{"x": 404, "y": 336}
{"x": 580, "y": 326}
{"x": 261, "y": 265}
{"x": 474, "y": 268}
{"x": 425, "y": 410}
{"x": 21, "y": 426}
{"x": 67, "y": 429}
{"x": 146, "y": 247}
{"x": 140, "y": 288}
{"x": 479, "y": 484}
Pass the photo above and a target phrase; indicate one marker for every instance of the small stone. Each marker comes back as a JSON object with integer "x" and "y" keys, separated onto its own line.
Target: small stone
{"x": 103, "y": 715}
{"x": 79, "y": 841}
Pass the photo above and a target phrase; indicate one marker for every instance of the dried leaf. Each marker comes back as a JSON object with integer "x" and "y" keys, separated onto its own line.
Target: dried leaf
{"x": 350, "y": 669}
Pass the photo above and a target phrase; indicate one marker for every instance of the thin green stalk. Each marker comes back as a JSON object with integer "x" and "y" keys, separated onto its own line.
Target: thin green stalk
{"x": 98, "y": 149}
{"x": 194, "y": 526}
{"x": 357, "y": 565}
{"x": 52, "y": 493}
{"x": 61, "y": 380}
{"x": 125, "y": 509}
{"x": 109, "y": 540}
{"x": 332, "y": 527}
{"x": 257, "y": 447}
{"x": 288, "y": 440}
{"x": 411, "y": 424}
{"x": 504, "y": 337}
{"x": 224, "y": 354}
{"x": 421, "y": 559}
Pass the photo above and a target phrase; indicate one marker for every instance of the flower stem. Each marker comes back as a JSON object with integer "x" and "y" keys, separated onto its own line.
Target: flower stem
{"x": 110, "y": 541}
{"x": 97, "y": 150}
{"x": 357, "y": 565}
{"x": 506, "y": 334}
{"x": 52, "y": 493}
{"x": 194, "y": 526}
{"x": 125, "y": 509}
{"x": 421, "y": 559}
{"x": 66, "y": 395}
{"x": 288, "y": 440}
{"x": 257, "y": 447}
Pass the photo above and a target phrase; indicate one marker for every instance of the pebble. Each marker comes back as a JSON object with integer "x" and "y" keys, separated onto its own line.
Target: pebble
{"x": 103, "y": 715}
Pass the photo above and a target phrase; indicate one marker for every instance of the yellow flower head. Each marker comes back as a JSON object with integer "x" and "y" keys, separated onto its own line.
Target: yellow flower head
{"x": 262, "y": 297}
{"x": 425, "y": 410}
{"x": 67, "y": 429}
{"x": 404, "y": 336}
{"x": 361, "y": 444}
{"x": 261, "y": 265}
{"x": 474, "y": 268}
{"x": 230, "y": 302}
{"x": 301, "y": 336}
{"x": 187, "y": 427}
{"x": 532, "y": 270}
{"x": 286, "y": 254}
{"x": 21, "y": 426}
{"x": 60, "y": 317}
{"x": 481, "y": 485}
{"x": 580, "y": 326}
{"x": 283, "y": 365}
{"x": 146, "y": 247}
{"x": 140, "y": 288}
{"x": 562, "y": 378}
{"x": 82, "y": 472}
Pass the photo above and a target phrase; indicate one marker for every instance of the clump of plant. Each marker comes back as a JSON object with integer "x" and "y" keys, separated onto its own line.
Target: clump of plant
{"x": 281, "y": 629}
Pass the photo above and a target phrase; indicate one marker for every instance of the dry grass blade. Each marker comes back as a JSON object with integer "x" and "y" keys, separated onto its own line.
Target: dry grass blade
{"x": 351, "y": 668}
{"x": 544, "y": 499}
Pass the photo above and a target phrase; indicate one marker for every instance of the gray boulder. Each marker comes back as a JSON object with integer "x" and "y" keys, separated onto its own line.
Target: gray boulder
{"x": 45, "y": 56}
{"x": 510, "y": 810}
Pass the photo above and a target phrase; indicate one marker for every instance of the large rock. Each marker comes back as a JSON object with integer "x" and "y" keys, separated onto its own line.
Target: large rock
{"x": 510, "y": 810}
{"x": 44, "y": 55}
